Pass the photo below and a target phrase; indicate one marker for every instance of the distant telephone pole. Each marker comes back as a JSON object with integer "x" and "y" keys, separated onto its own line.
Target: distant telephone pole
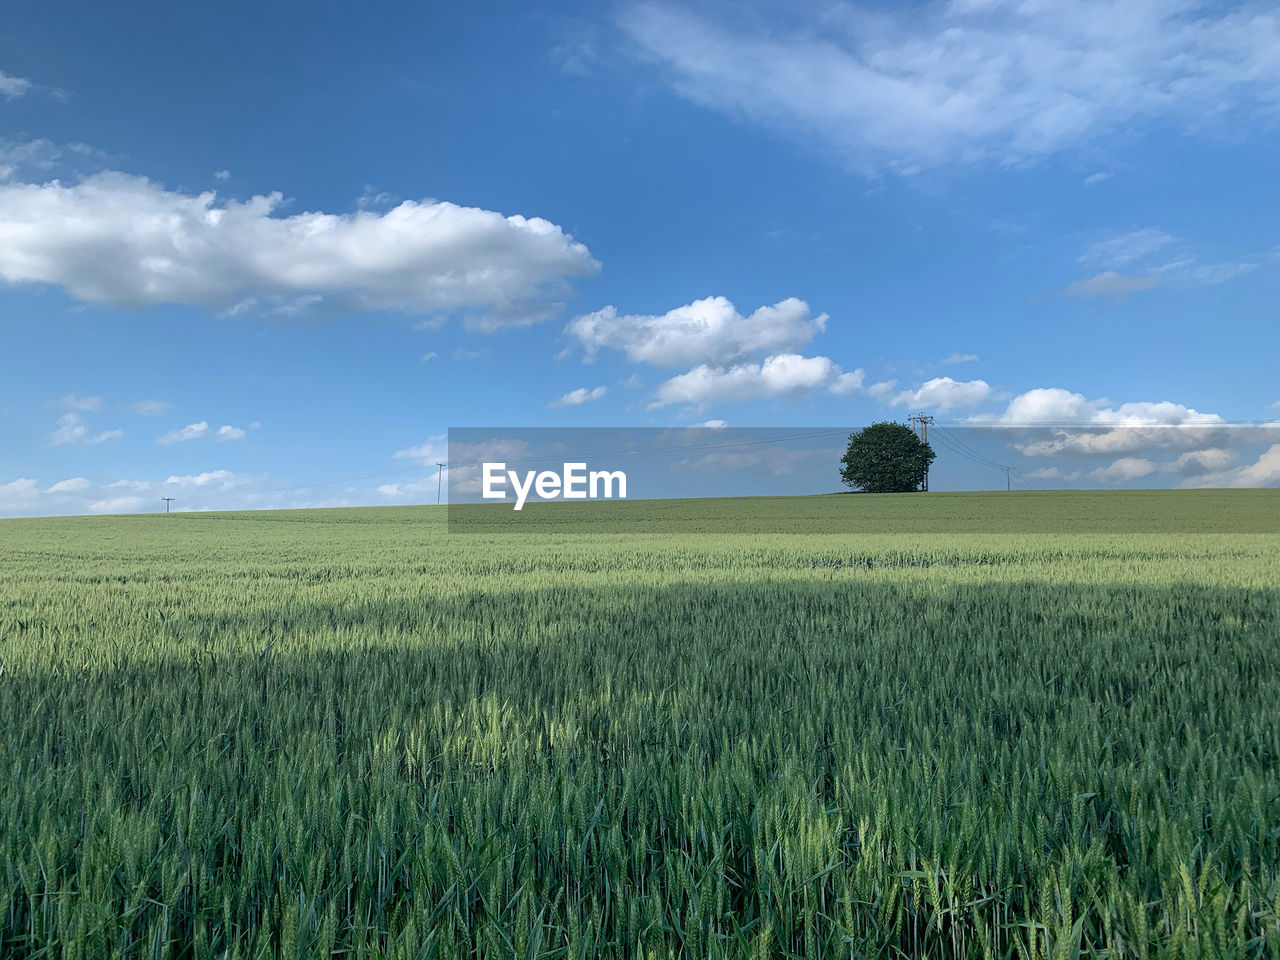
{"x": 1007, "y": 483}
{"x": 920, "y": 425}
{"x": 440, "y": 465}
{"x": 167, "y": 501}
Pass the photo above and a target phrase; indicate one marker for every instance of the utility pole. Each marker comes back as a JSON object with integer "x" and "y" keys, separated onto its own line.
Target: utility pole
{"x": 1007, "y": 471}
{"x": 920, "y": 425}
{"x": 440, "y": 465}
{"x": 167, "y": 501}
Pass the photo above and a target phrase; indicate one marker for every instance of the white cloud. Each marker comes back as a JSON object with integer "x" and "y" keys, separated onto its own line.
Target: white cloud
{"x": 219, "y": 479}
{"x": 71, "y": 429}
{"x": 1005, "y": 80}
{"x": 1195, "y": 462}
{"x": 1058, "y": 423}
{"x": 954, "y": 358}
{"x": 192, "y": 431}
{"x": 12, "y": 87}
{"x": 1117, "y": 286}
{"x": 124, "y": 240}
{"x": 148, "y": 408}
{"x": 126, "y": 504}
{"x": 713, "y": 424}
{"x": 71, "y": 401}
{"x": 434, "y": 448}
{"x": 1095, "y": 178}
{"x": 18, "y": 495}
{"x": 211, "y": 490}
{"x": 1126, "y": 247}
{"x": 222, "y": 175}
{"x": 944, "y": 393}
{"x": 709, "y": 331}
{"x": 1263, "y": 472}
{"x": 1214, "y": 273}
{"x": 882, "y": 388}
{"x": 1054, "y": 473}
{"x": 1125, "y": 469}
{"x": 1134, "y": 252}
{"x": 200, "y": 430}
{"x": 778, "y": 376}
{"x": 429, "y": 356}
{"x": 575, "y": 398}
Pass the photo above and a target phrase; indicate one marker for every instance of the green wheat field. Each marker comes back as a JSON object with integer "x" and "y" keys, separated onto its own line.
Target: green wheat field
{"x": 351, "y": 733}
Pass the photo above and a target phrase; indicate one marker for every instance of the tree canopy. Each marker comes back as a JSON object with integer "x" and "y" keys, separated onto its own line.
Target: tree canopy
{"x": 886, "y": 457}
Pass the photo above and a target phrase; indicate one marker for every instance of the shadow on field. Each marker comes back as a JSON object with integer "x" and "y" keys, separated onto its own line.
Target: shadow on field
{"x": 935, "y": 769}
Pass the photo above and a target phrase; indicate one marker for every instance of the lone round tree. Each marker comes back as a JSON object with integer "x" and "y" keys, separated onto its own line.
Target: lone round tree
{"x": 886, "y": 457}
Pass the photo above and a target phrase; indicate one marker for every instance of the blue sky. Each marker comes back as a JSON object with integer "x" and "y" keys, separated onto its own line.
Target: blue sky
{"x": 267, "y": 256}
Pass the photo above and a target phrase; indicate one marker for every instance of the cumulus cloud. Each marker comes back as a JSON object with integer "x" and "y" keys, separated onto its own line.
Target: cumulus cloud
{"x": 124, "y": 240}
{"x": 1053, "y": 422}
{"x": 999, "y": 80}
{"x": 944, "y": 393}
{"x": 708, "y": 331}
{"x": 882, "y": 389}
{"x": 1195, "y": 462}
{"x": 1263, "y": 472}
{"x": 575, "y": 398}
{"x": 1124, "y": 470}
{"x": 228, "y": 432}
{"x": 71, "y": 429}
{"x": 70, "y": 485}
{"x": 777, "y": 376}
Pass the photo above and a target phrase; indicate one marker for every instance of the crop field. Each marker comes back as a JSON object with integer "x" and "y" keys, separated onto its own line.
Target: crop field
{"x": 350, "y": 733}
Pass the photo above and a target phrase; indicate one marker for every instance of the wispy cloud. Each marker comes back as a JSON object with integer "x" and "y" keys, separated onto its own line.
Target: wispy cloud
{"x": 200, "y": 430}
{"x": 73, "y": 401}
{"x": 1117, "y": 286}
{"x": 72, "y": 430}
{"x": 968, "y": 81}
